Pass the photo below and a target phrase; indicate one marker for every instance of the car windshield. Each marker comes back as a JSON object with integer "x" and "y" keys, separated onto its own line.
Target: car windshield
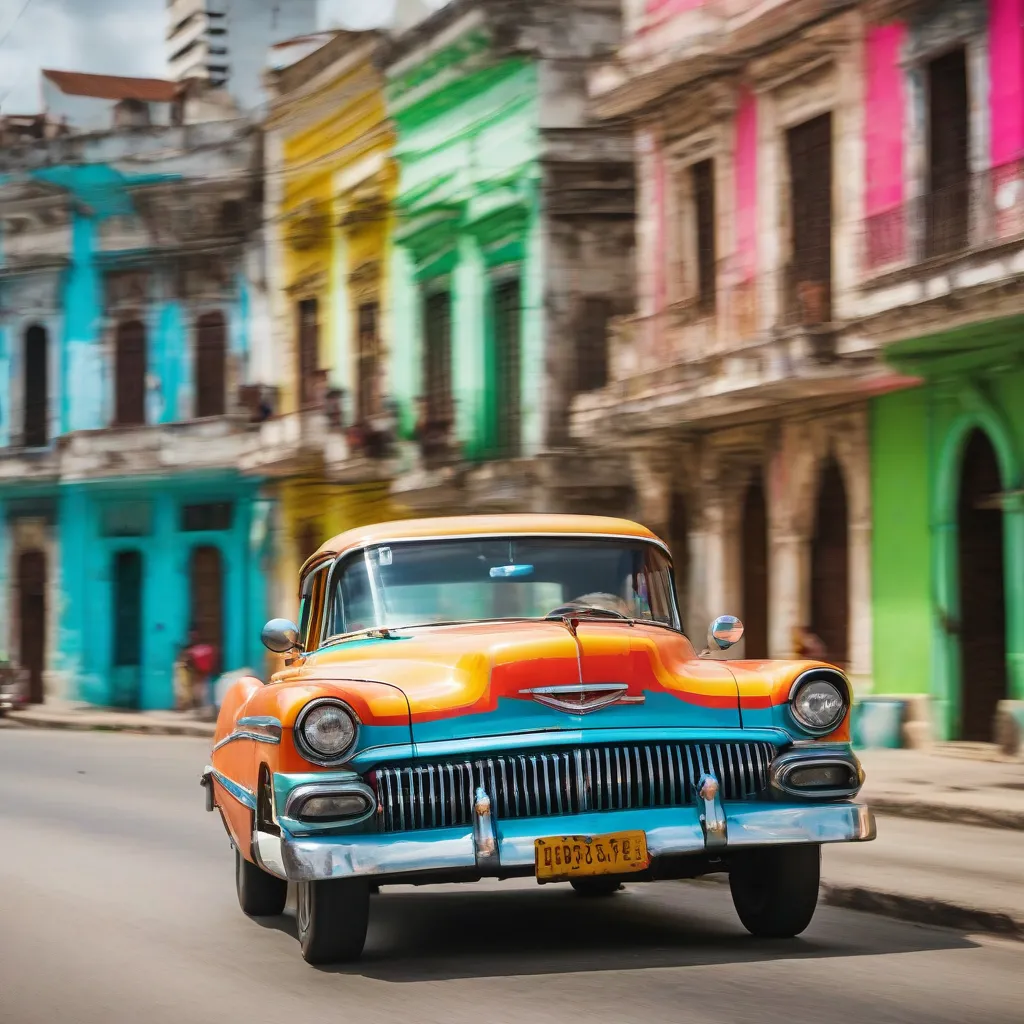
{"x": 434, "y": 582}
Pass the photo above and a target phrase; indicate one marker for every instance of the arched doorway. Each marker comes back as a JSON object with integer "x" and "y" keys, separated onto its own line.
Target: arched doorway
{"x": 130, "y": 374}
{"x": 206, "y": 579}
{"x": 211, "y": 360}
{"x": 679, "y": 542}
{"x": 127, "y": 660}
{"x": 830, "y": 566}
{"x": 37, "y": 387}
{"x": 982, "y": 594}
{"x": 754, "y": 555}
{"x": 32, "y": 620}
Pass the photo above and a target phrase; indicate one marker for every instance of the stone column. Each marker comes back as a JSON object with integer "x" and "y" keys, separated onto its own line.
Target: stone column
{"x": 652, "y": 483}
{"x": 860, "y": 625}
{"x": 788, "y": 586}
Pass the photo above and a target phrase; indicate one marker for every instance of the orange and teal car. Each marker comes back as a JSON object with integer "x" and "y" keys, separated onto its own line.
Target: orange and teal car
{"x": 506, "y": 696}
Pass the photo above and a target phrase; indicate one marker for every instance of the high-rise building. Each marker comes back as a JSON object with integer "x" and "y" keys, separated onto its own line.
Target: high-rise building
{"x": 226, "y": 41}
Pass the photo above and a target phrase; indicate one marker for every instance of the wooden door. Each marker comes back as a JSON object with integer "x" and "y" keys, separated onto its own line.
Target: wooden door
{"x": 128, "y": 607}
{"x": 37, "y": 387}
{"x": 130, "y": 374}
{"x": 211, "y": 365}
{"x": 308, "y": 352}
{"x": 948, "y": 198}
{"x": 754, "y": 554}
{"x": 206, "y": 576}
{"x": 437, "y": 360}
{"x": 983, "y": 668}
{"x": 32, "y": 620}
{"x": 369, "y": 362}
{"x": 830, "y": 566}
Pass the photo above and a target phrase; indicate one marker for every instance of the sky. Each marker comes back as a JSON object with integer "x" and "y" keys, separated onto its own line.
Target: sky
{"x": 114, "y": 37}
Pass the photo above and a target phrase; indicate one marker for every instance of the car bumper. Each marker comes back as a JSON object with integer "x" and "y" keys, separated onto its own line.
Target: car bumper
{"x": 507, "y": 847}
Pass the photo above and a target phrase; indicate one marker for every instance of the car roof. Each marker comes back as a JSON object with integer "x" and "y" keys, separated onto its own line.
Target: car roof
{"x": 468, "y": 526}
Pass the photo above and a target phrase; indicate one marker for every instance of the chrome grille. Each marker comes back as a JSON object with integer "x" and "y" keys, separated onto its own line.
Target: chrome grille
{"x": 607, "y": 778}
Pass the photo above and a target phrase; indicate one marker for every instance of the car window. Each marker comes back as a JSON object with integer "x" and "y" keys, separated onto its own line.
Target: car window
{"x": 427, "y": 582}
{"x": 310, "y": 607}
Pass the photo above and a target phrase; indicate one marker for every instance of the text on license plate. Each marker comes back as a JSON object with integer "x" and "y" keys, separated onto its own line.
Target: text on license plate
{"x": 577, "y": 856}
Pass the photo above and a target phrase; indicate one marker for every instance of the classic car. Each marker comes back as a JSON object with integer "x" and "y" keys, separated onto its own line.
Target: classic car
{"x": 508, "y": 696}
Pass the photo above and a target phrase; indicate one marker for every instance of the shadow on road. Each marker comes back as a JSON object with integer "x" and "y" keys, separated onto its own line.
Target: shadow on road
{"x": 446, "y": 935}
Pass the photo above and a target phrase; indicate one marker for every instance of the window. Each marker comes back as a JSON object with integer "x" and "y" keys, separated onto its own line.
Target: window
{"x": 310, "y": 605}
{"x": 130, "y": 374}
{"x": 431, "y": 582}
{"x": 948, "y": 200}
{"x": 809, "y": 286}
{"x": 36, "y": 412}
{"x": 127, "y": 519}
{"x": 437, "y": 358}
{"x": 308, "y": 352}
{"x": 507, "y": 320}
{"x": 368, "y": 361}
{"x": 592, "y": 344}
{"x": 211, "y": 368}
{"x": 703, "y": 185}
{"x": 207, "y": 518}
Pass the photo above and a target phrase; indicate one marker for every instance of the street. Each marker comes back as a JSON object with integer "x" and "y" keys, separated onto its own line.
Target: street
{"x": 118, "y": 905}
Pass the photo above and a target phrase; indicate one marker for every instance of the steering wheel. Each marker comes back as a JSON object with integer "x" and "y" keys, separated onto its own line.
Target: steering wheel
{"x": 564, "y": 610}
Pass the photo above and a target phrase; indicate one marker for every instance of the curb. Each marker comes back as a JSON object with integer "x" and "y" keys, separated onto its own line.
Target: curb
{"x": 195, "y": 730}
{"x": 912, "y": 909}
{"x": 964, "y": 814}
{"x": 921, "y": 910}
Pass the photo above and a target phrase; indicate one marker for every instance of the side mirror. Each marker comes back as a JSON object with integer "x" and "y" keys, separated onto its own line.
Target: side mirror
{"x": 281, "y": 636}
{"x": 725, "y": 632}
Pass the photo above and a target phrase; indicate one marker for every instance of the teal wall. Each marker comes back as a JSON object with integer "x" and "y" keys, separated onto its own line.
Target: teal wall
{"x": 468, "y": 214}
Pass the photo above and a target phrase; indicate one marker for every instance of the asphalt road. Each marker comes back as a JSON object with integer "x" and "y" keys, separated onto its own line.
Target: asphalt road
{"x": 117, "y": 904}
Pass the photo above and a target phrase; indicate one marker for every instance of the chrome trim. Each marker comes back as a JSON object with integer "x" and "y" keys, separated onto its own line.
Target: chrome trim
{"x": 784, "y": 765}
{"x": 607, "y": 694}
{"x": 257, "y": 730}
{"x": 485, "y": 841}
{"x": 235, "y": 789}
{"x": 206, "y": 781}
{"x": 712, "y": 814}
{"x": 300, "y": 794}
{"x": 303, "y": 746}
{"x": 268, "y": 854}
{"x": 453, "y": 852}
{"x": 802, "y": 680}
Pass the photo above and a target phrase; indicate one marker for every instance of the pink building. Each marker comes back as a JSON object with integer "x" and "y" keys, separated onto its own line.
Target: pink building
{"x": 816, "y": 180}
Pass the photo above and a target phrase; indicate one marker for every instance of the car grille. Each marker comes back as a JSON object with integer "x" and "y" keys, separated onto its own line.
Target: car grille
{"x": 607, "y": 778}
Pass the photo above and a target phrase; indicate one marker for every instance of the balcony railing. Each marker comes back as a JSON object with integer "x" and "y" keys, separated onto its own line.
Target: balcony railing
{"x": 985, "y": 209}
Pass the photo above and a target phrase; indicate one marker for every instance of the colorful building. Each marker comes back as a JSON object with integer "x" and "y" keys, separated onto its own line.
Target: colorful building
{"x": 128, "y": 289}
{"x": 514, "y": 224}
{"x": 330, "y": 184}
{"x": 943, "y": 248}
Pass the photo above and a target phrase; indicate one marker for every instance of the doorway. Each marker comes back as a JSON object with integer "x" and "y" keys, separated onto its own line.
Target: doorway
{"x": 947, "y": 208}
{"x": 130, "y": 375}
{"x": 211, "y": 360}
{"x": 754, "y": 553}
{"x": 983, "y": 668}
{"x": 308, "y": 355}
{"x": 32, "y": 620}
{"x": 507, "y": 313}
{"x": 37, "y": 388}
{"x": 127, "y": 675}
{"x": 206, "y": 579}
{"x": 830, "y": 566}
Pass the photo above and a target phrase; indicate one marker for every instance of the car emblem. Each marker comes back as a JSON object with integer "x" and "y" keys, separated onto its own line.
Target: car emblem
{"x": 581, "y": 699}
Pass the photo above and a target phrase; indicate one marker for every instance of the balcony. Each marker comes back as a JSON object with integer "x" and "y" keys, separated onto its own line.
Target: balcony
{"x": 35, "y": 226}
{"x": 946, "y": 247}
{"x": 28, "y": 466}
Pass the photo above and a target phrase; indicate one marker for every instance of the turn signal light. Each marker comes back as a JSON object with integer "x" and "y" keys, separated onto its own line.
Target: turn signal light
{"x": 334, "y": 807}
{"x": 821, "y": 776}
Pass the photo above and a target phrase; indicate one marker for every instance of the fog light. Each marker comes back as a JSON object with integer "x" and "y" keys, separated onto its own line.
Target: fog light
{"x": 820, "y": 776}
{"x": 333, "y": 807}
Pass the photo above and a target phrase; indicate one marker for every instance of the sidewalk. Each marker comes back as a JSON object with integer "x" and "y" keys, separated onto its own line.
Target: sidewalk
{"x": 85, "y": 718}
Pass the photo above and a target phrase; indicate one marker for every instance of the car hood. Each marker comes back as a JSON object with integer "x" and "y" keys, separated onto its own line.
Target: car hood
{"x": 464, "y": 682}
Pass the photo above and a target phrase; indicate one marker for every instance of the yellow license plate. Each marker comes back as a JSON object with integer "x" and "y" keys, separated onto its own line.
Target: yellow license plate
{"x": 566, "y": 857}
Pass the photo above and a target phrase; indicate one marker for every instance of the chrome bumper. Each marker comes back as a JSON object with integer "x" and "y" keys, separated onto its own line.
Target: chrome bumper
{"x": 491, "y": 849}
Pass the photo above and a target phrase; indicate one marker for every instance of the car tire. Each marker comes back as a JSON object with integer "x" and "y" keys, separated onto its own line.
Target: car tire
{"x": 596, "y": 888}
{"x": 259, "y": 894}
{"x": 332, "y": 918}
{"x": 775, "y": 891}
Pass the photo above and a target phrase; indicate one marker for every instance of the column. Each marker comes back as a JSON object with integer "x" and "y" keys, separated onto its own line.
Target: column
{"x": 860, "y": 627}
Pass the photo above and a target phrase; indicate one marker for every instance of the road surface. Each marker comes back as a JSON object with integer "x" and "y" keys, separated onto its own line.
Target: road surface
{"x": 117, "y": 904}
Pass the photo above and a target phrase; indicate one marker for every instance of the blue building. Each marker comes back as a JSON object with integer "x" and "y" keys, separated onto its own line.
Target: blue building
{"x": 130, "y": 297}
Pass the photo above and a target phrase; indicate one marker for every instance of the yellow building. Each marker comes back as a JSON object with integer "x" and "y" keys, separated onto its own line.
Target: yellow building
{"x": 330, "y": 185}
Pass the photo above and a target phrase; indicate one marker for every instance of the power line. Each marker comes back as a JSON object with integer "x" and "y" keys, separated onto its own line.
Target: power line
{"x": 10, "y": 28}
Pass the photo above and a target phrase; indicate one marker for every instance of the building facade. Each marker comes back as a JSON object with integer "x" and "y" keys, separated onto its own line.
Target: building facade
{"x": 942, "y": 251}
{"x": 513, "y": 241}
{"x": 330, "y": 184}
{"x": 130, "y": 281}
{"x": 824, "y": 363}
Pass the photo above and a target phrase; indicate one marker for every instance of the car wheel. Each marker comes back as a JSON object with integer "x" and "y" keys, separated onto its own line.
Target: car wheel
{"x": 332, "y": 918}
{"x": 259, "y": 894}
{"x": 775, "y": 891}
{"x": 596, "y": 887}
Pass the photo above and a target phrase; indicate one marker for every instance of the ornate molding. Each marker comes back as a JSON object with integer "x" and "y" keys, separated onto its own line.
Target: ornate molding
{"x": 945, "y": 23}
{"x": 700, "y": 108}
{"x": 819, "y": 45}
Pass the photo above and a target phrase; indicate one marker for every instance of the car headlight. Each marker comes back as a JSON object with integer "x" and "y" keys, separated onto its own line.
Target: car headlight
{"x": 325, "y": 731}
{"x": 819, "y": 704}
